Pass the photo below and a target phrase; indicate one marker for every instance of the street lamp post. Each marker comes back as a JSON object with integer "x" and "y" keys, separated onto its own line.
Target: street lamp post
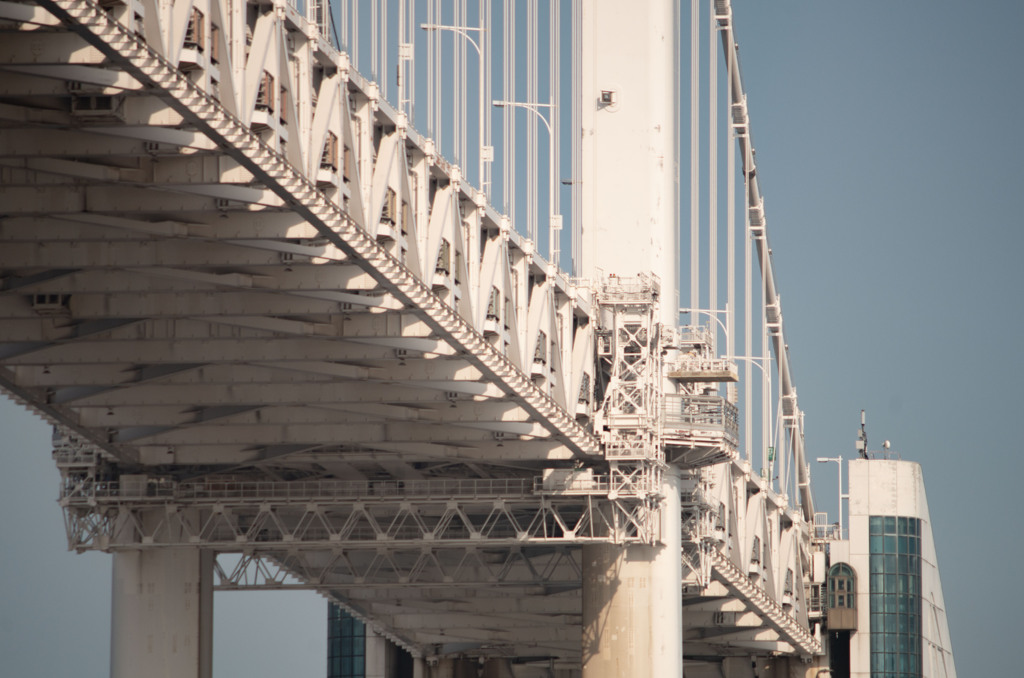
{"x": 838, "y": 460}
{"x": 761, "y": 363}
{"x": 464, "y": 31}
{"x": 712, "y": 313}
{"x": 555, "y": 220}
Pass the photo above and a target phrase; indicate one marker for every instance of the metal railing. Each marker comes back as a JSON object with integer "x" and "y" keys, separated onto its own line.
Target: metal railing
{"x": 698, "y": 364}
{"x": 600, "y": 485}
{"x": 700, "y": 412}
{"x": 695, "y": 334}
{"x": 640, "y": 288}
{"x": 141, "y": 488}
{"x": 825, "y": 530}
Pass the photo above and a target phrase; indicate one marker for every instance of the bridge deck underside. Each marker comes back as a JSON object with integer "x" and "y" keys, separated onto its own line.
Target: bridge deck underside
{"x": 201, "y": 325}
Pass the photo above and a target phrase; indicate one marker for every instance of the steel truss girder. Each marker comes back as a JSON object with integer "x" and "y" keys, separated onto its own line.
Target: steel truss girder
{"x": 360, "y": 571}
{"x": 758, "y": 600}
{"x": 388, "y": 589}
{"x": 101, "y": 515}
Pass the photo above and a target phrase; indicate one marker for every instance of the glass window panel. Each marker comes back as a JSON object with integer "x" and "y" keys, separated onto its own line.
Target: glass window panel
{"x": 891, "y": 564}
{"x": 890, "y": 524}
{"x": 875, "y": 525}
{"x": 877, "y": 563}
{"x": 890, "y": 543}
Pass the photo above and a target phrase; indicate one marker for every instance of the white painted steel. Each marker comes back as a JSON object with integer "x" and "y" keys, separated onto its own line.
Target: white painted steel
{"x": 695, "y": 33}
{"x": 714, "y": 150}
{"x": 628, "y": 236}
{"x": 239, "y": 303}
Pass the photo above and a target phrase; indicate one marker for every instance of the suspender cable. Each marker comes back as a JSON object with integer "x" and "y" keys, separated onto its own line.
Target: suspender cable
{"x": 695, "y": 154}
{"x": 486, "y": 58}
{"x": 375, "y": 42}
{"x": 508, "y": 117}
{"x": 438, "y": 83}
{"x": 773, "y": 313}
{"x": 531, "y": 121}
{"x": 713, "y": 172}
{"x": 730, "y": 237}
{"x": 354, "y": 32}
{"x": 431, "y": 67}
{"x": 577, "y": 147}
{"x": 553, "y": 96}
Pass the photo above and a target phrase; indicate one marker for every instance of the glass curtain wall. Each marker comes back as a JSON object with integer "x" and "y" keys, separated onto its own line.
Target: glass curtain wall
{"x": 346, "y": 644}
{"x": 895, "y": 543}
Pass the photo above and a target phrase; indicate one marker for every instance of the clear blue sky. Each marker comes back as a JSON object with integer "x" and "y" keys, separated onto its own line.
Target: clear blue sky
{"x": 890, "y": 153}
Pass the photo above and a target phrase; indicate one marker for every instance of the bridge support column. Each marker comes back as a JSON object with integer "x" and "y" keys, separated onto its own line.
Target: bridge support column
{"x": 419, "y": 667}
{"x": 376, "y": 647}
{"x": 667, "y": 583}
{"x": 162, "y": 614}
{"x": 497, "y": 667}
{"x": 632, "y": 602}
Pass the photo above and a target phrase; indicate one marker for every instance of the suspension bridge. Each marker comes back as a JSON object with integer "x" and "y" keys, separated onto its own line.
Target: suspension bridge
{"x": 288, "y": 280}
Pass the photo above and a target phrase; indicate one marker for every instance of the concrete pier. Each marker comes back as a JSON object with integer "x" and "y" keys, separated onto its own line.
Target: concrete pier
{"x": 632, "y": 602}
{"x": 162, "y": 614}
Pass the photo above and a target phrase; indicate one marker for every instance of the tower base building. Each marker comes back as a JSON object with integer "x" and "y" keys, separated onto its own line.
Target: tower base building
{"x": 882, "y": 604}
